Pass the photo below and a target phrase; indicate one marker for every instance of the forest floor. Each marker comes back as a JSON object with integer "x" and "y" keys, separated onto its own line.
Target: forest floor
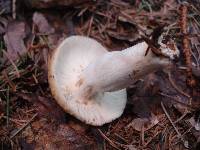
{"x": 163, "y": 109}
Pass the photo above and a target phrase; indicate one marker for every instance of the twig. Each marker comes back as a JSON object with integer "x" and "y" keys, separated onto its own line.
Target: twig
{"x": 14, "y": 9}
{"x": 109, "y": 140}
{"x": 187, "y": 131}
{"x": 130, "y": 20}
{"x": 30, "y": 110}
{"x": 170, "y": 139}
{"x": 90, "y": 25}
{"x": 121, "y": 138}
{"x": 150, "y": 140}
{"x": 179, "y": 119}
{"x": 38, "y": 46}
{"x": 35, "y": 79}
{"x": 196, "y": 59}
{"x": 7, "y": 106}
{"x": 13, "y": 64}
{"x": 174, "y": 99}
{"x": 2, "y": 11}
{"x": 13, "y": 120}
{"x": 142, "y": 135}
{"x": 186, "y": 48}
{"x": 184, "y": 133}
{"x": 12, "y": 85}
{"x": 23, "y": 127}
{"x": 166, "y": 113}
{"x": 176, "y": 87}
{"x": 164, "y": 137}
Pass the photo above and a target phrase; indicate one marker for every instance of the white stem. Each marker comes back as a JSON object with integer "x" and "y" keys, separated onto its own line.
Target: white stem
{"x": 117, "y": 70}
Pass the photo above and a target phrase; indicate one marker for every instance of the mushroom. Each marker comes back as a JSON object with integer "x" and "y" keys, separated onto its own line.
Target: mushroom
{"x": 90, "y": 83}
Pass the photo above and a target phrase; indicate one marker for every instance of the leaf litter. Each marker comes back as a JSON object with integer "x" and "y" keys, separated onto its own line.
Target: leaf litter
{"x": 162, "y": 110}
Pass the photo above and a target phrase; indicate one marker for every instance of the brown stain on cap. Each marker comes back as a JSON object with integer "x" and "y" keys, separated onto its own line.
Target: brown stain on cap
{"x": 87, "y": 96}
{"x": 80, "y": 82}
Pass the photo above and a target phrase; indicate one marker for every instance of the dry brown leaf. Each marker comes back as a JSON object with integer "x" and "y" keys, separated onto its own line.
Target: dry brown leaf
{"x": 14, "y": 39}
{"x": 42, "y": 23}
{"x": 140, "y": 124}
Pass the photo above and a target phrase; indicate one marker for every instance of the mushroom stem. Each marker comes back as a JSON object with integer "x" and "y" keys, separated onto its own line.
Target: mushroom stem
{"x": 117, "y": 70}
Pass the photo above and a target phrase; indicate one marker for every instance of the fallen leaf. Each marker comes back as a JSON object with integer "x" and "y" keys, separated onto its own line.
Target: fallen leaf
{"x": 14, "y": 39}
{"x": 42, "y": 23}
{"x": 143, "y": 123}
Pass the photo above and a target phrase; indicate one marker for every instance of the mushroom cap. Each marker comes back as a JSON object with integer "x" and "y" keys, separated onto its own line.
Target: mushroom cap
{"x": 66, "y": 64}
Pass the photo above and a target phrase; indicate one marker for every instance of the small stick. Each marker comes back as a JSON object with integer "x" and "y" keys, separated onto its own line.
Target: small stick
{"x": 2, "y": 11}
{"x": 38, "y": 46}
{"x": 179, "y": 119}
{"x": 23, "y": 127}
{"x": 14, "y": 9}
{"x": 12, "y": 85}
{"x": 176, "y": 87}
{"x": 150, "y": 140}
{"x": 35, "y": 79}
{"x": 186, "y": 48}
{"x": 174, "y": 99}
{"x": 142, "y": 135}
{"x": 121, "y": 138}
{"x": 90, "y": 26}
{"x": 13, "y": 120}
{"x": 109, "y": 140}
{"x": 21, "y": 121}
{"x": 166, "y": 113}
{"x": 13, "y": 64}
{"x": 7, "y": 106}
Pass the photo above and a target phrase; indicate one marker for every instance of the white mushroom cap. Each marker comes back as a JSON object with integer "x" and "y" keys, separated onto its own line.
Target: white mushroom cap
{"x": 66, "y": 65}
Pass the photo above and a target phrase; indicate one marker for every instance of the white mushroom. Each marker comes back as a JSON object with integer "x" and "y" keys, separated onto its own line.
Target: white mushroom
{"x": 89, "y": 82}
